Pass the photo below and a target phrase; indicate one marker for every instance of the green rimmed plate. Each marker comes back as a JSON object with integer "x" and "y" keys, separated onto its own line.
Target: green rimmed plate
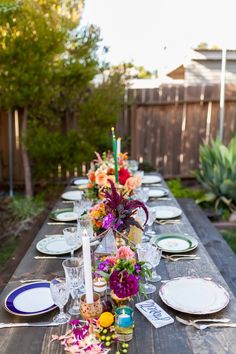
{"x": 175, "y": 243}
{"x": 64, "y": 215}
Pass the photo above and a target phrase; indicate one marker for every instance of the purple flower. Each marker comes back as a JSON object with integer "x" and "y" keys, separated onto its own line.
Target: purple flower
{"x": 138, "y": 268}
{"x": 124, "y": 284}
{"x": 104, "y": 266}
{"x": 108, "y": 220}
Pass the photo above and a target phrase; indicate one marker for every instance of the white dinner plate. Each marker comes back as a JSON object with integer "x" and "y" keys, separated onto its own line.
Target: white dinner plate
{"x": 197, "y": 296}
{"x": 167, "y": 212}
{"x": 30, "y": 299}
{"x": 157, "y": 193}
{"x": 81, "y": 181}
{"x": 54, "y": 245}
{"x": 151, "y": 179}
{"x": 63, "y": 215}
{"x": 72, "y": 195}
{"x": 175, "y": 243}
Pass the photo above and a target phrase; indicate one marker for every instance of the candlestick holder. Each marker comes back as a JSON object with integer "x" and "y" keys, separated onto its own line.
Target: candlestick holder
{"x": 91, "y": 311}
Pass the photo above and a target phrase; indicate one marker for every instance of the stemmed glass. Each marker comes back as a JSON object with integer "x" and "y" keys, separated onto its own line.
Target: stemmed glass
{"x": 72, "y": 239}
{"x": 150, "y": 221}
{"x": 145, "y": 251}
{"x": 73, "y": 268}
{"x": 133, "y": 166}
{"x": 85, "y": 223}
{"x": 60, "y": 295}
{"x": 154, "y": 261}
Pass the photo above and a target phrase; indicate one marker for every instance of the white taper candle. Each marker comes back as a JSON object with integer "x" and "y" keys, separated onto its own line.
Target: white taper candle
{"x": 118, "y": 144}
{"x": 87, "y": 267}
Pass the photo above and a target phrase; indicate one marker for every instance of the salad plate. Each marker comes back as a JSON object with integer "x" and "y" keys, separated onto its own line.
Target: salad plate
{"x": 72, "y": 195}
{"x": 197, "y": 296}
{"x": 64, "y": 215}
{"x": 158, "y": 193}
{"x": 151, "y": 179}
{"x": 80, "y": 181}
{"x": 175, "y": 243}
{"x": 54, "y": 245}
{"x": 167, "y": 212}
{"x": 30, "y": 300}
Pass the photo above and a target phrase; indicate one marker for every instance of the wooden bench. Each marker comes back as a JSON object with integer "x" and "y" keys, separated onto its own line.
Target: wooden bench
{"x": 220, "y": 252}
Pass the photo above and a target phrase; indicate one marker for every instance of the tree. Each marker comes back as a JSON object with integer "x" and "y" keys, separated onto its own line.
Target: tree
{"x": 33, "y": 38}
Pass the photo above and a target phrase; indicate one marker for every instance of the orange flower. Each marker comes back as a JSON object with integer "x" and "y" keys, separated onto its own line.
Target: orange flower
{"x": 101, "y": 178}
{"x": 91, "y": 176}
{"x": 90, "y": 185}
{"x": 130, "y": 184}
{"x": 138, "y": 181}
{"x": 110, "y": 171}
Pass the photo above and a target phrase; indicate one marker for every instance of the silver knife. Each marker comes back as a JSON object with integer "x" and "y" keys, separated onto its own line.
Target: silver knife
{"x": 62, "y": 223}
{"x": 26, "y": 324}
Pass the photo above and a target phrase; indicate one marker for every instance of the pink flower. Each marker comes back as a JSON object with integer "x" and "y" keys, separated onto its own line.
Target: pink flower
{"x": 111, "y": 260}
{"x": 125, "y": 252}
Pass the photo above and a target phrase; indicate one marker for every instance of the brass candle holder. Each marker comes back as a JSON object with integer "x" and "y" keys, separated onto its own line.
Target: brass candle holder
{"x": 91, "y": 311}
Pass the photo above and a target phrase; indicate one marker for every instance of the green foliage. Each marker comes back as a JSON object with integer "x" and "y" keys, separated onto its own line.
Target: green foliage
{"x": 230, "y": 238}
{"x": 7, "y": 250}
{"x": 179, "y": 191}
{"x": 217, "y": 173}
{"x": 23, "y": 208}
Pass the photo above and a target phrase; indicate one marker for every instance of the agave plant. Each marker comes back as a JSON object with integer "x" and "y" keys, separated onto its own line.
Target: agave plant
{"x": 217, "y": 172}
{"x": 120, "y": 210}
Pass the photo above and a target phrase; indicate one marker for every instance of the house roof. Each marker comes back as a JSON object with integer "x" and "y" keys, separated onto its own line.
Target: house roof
{"x": 212, "y": 54}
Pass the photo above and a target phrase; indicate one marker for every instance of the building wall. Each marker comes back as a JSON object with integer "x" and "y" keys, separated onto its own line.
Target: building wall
{"x": 209, "y": 72}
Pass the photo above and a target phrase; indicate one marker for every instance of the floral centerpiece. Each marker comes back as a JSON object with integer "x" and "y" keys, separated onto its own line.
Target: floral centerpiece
{"x": 123, "y": 272}
{"x": 117, "y": 211}
{"x": 103, "y": 169}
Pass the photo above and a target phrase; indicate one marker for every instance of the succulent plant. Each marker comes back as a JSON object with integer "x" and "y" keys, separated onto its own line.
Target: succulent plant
{"x": 217, "y": 172}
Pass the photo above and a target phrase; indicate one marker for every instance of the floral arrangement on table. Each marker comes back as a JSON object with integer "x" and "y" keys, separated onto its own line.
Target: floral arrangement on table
{"x": 123, "y": 272}
{"x": 103, "y": 170}
{"x": 117, "y": 211}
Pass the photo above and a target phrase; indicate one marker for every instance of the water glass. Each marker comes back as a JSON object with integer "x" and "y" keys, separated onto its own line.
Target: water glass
{"x": 78, "y": 208}
{"x": 74, "y": 272}
{"x": 60, "y": 295}
{"x": 145, "y": 255}
{"x": 72, "y": 239}
{"x": 85, "y": 223}
{"x": 133, "y": 166}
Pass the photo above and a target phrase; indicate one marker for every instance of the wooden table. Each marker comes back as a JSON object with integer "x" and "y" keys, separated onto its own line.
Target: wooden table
{"x": 175, "y": 338}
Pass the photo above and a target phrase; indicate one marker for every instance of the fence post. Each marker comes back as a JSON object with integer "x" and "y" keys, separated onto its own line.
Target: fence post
{"x": 10, "y": 153}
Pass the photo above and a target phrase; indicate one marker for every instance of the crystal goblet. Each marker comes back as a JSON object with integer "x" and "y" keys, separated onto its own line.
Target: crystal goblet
{"x": 60, "y": 295}
{"x": 74, "y": 272}
{"x": 71, "y": 238}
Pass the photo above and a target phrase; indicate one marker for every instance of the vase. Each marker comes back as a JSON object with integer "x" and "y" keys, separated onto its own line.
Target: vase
{"x": 120, "y": 301}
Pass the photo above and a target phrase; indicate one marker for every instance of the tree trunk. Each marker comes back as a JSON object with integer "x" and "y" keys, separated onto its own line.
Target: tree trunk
{"x": 25, "y": 156}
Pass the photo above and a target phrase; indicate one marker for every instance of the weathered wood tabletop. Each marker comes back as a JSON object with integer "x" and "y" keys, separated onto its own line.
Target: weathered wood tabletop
{"x": 174, "y": 338}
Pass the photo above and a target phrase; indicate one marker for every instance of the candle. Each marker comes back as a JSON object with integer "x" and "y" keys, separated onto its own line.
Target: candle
{"x": 87, "y": 267}
{"x": 114, "y": 144}
{"x": 118, "y": 144}
{"x": 99, "y": 285}
{"x": 124, "y": 317}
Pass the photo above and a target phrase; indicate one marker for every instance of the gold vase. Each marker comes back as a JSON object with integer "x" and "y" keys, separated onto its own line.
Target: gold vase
{"x": 120, "y": 301}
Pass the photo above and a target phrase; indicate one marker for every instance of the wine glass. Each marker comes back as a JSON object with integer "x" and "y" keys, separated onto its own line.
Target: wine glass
{"x": 78, "y": 208}
{"x": 144, "y": 255}
{"x": 154, "y": 261}
{"x": 74, "y": 272}
{"x": 71, "y": 238}
{"x": 85, "y": 223}
{"x": 60, "y": 295}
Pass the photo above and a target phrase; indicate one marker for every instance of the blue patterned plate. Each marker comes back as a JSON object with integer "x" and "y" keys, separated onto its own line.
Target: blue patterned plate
{"x": 30, "y": 299}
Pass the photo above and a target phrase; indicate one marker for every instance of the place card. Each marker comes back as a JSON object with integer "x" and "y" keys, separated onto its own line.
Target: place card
{"x": 154, "y": 313}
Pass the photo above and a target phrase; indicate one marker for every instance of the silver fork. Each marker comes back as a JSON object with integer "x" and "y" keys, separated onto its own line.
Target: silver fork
{"x": 218, "y": 323}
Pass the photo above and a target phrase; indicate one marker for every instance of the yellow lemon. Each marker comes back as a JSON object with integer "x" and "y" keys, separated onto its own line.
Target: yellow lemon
{"x": 106, "y": 319}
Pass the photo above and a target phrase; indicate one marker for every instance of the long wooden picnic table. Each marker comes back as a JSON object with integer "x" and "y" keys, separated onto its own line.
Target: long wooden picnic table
{"x": 174, "y": 338}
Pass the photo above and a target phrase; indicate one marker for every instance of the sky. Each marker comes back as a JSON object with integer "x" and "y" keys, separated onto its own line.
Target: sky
{"x": 157, "y": 34}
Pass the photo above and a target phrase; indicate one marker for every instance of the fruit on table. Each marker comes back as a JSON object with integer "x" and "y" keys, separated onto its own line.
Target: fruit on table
{"x": 106, "y": 319}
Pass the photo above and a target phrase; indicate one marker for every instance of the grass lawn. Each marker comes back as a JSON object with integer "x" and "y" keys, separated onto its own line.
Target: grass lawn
{"x": 230, "y": 238}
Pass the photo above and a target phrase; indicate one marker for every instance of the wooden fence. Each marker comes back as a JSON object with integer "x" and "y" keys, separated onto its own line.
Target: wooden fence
{"x": 167, "y": 125}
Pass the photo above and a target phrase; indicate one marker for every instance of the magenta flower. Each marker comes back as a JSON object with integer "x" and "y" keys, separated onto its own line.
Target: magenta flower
{"x": 124, "y": 284}
{"x": 108, "y": 220}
